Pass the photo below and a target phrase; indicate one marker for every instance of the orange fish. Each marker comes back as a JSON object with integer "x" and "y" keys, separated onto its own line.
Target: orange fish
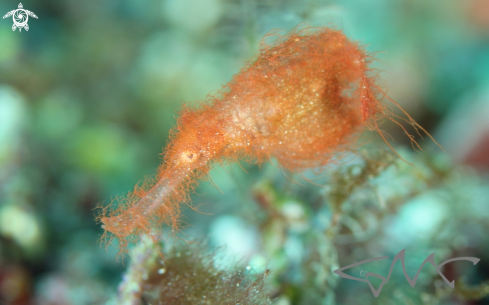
{"x": 303, "y": 100}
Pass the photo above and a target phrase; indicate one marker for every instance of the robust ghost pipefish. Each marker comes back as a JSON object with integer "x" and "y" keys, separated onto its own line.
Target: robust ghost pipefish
{"x": 303, "y": 99}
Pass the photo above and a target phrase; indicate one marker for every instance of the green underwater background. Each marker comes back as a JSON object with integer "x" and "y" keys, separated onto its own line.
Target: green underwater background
{"x": 89, "y": 94}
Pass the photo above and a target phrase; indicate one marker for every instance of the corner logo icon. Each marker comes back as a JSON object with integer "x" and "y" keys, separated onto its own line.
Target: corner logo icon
{"x": 20, "y": 17}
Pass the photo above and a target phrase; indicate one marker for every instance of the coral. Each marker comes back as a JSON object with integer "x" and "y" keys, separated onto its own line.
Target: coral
{"x": 371, "y": 206}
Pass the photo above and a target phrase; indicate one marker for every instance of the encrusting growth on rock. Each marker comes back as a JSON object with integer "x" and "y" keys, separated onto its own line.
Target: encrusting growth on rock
{"x": 303, "y": 100}
{"x": 189, "y": 274}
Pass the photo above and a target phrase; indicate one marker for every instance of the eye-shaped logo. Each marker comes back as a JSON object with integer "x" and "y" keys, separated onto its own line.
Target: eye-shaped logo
{"x": 20, "y": 17}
